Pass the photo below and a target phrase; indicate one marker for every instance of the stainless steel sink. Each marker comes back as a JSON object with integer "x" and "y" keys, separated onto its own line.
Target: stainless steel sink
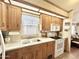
{"x": 26, "y": 42}
{"x": 30, "y": 41}
{"x": 36, "y": 40}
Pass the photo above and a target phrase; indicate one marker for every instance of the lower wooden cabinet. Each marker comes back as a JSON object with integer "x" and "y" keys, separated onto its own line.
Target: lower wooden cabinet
{"x": 25, "y": 53}
{"x": 28, "y": 56}
{"x": 50, "y": 50}
{"x": 12, "y": 54}
{"x": 44, "y": 49}
{"x": 40, "y": 51}
{"x": 37, "y": 50}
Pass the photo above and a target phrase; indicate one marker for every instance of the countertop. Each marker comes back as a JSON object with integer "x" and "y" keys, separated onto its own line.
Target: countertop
{"x": 19, "y": 44}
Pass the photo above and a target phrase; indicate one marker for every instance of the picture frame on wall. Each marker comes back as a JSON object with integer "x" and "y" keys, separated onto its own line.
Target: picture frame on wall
{"x": 67, "y": 26}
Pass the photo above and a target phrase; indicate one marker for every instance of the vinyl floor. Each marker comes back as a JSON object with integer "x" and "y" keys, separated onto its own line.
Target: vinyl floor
{"x": 74, "y": 54}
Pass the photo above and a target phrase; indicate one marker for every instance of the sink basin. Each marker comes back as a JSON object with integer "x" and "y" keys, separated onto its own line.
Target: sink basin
{"x": 26, "y": 42}
{"x": 36, "y": 40}
{"x": 30, "y": 41}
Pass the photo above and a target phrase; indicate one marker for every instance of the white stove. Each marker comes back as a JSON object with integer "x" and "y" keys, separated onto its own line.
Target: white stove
{"x": 59, "y": 47}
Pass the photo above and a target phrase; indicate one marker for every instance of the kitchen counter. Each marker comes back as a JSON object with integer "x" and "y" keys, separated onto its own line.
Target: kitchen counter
{"x": 24, "y": 43}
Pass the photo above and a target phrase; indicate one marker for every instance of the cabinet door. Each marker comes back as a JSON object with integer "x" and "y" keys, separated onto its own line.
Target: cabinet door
{"x": 57, "y": 21}
{"x": 12, "y": 55}
{"x": 26, "y": 53}
{"x": 3, "y": 16}
{"x": 38, "y": 52}
{"x": 46, "y": 22}
{"x": 0, "y": 14}
{"x": 14, "y": 18}
{"x": 50, "y": 50}
{"x": 27, "y": 56}
{"x": 44, "y": 51}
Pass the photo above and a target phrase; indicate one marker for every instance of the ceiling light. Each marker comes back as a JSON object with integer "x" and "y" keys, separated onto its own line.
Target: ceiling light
{"x": 45, "y": 12}
{"x": 24, "y": 10}
{"x": 22, "y": 5}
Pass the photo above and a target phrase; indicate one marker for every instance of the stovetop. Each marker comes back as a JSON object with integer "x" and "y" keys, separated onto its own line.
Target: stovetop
{"x": 56, "y": 37}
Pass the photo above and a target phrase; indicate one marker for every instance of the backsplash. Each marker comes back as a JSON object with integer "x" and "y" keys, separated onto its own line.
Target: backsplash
{"x": 16, "y": 36}
{"x": 12, "y": 37}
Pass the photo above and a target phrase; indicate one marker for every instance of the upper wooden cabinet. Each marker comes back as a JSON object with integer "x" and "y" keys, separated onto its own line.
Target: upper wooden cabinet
{"x": 0, "y": 15}
{"x": 46, "y": 22}
{"x": 57, "y": 21}
{"x": 10, "y": 17}
{"x": 3, "y": 15}
{"x": 14, "y": 18}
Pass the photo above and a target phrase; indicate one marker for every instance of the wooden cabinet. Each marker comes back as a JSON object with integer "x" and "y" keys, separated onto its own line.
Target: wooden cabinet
{"x": 14, "y": 18}
{"x": 44, "y": 49}
{"x": 0, "y": 14}
{"x": 40, "y": 51}
{"x": 3, "y": 17}
{"x": 37, "y": 50}
{"x": 10, "y": 17}
{"x": 12, "y": 54}
{"x": 50, "y": 49}
{"x": 57, "y": 21}
{"x": 26, "y": 53}
{"x": 46, "y": 22}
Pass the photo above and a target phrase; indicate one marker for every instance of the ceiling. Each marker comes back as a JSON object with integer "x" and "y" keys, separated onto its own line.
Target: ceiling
{"x": 66, "y": 5}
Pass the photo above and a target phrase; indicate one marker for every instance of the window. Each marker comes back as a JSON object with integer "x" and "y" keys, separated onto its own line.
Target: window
{"x": 30, "y": 24}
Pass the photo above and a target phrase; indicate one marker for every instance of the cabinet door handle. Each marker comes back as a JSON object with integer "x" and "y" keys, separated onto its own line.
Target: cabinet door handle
{"x": 7, "y": 56}
{"x": 50, "y": 57}
{"x": 22, "y": 57}
{"x": 7, "y": 26}
{"x": 17, "y": 25}
{"x": 2, "y": 24}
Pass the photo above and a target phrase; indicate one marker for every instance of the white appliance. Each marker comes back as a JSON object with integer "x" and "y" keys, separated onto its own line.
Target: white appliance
{"x": 51, "y": 34}
{"x": 59, "y": 47}
{"x": 2, "y": 45}
{"x": 55, "y": 27}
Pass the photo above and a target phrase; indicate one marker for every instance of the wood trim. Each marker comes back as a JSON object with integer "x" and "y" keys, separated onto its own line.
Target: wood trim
{"x": 57, "y": 6}
{"x": 70, "y": 11}
{"x": 22, "y": 1}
